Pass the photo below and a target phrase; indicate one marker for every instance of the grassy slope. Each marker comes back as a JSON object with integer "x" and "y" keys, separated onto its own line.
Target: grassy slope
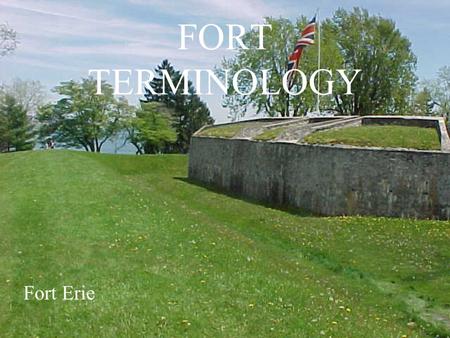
{"x": 380, "y": 136}
{"x": 269, "y": 134}
{"x": 170, "y": 258}
{"x": 227, "y": 131}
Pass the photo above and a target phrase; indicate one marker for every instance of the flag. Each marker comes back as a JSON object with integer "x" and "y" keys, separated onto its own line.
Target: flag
{"x": 306, "y": 39}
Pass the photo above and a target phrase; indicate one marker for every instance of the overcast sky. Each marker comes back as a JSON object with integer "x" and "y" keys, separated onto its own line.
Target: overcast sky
{"x": 62, "y": 40}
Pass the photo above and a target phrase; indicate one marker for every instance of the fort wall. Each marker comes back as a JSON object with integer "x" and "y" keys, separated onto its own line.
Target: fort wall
{"x": 327, "y": 180}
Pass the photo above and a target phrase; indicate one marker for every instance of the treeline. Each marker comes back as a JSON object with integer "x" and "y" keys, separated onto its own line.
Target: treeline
{"x": 165, "y": 123}
{"x": 82, "y": 119}
{"x": 159, "y": 124}
{"x": 349, "y": 40}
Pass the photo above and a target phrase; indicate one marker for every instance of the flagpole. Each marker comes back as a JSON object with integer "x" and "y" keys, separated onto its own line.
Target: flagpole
{"x": 286, "y": 103}
{"x": 286, "y": 113}
{"x": 318, "y": 61}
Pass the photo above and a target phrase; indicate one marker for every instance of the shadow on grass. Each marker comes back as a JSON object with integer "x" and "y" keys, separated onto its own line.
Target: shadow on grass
{"x": 288, "y": 209}
{"x": 317, "y": 256}
{"x": 435, "y": 327}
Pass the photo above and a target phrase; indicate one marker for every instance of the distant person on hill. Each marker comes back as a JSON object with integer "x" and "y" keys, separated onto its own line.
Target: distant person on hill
{"x": 50, "y": 143}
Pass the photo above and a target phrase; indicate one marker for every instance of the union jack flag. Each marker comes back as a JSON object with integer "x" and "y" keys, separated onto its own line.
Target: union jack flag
{"x": 306, "y": 39}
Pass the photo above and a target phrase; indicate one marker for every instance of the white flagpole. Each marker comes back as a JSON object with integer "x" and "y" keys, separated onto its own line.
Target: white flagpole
{"x": 318, "y": 60}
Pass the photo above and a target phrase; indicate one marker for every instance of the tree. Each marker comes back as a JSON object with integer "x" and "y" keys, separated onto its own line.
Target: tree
{"x": 376, "y": 46}
{"x": 82, "y": 119}
{"x": 350, "y": 40}
{"x": 29, "y": 94}
{"x": 279, "y": 44}
{"x": 8, "y": 40}
{"x": 3, "y": 132}
{"x": 188, "y": 112}
{"x": 440, "y": 92}
{"x": 16, "y": 131}
{"x": 423, "y": 102}
{"x": 150, "y": 129}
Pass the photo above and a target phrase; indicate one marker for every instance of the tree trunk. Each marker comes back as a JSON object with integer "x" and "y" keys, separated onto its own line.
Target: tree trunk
{"x": 138, "y": 149}
{"x": 286, "y": 113}
{"x": 97, "y": 148}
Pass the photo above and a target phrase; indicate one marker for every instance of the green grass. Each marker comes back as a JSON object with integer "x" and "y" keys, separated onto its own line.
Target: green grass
{"x": 380, "y": 136}
{"x": 169, "y": 258}
{"x": 227, "y": 131}
{"x": 270, "y": 134}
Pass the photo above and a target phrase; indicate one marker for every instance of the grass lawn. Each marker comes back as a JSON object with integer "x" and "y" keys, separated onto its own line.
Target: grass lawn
{"x": 380, "y": 136}
{"x": 169, "y": 258}
{"x": 230, "y": 130}
{"x": 269, "y": 134}
{"x": 227, "y": 131}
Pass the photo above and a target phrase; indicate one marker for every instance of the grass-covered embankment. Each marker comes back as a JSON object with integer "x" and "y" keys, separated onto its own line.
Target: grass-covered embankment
{"x": 380, "y": 136}
{"x": 170, "y": 258}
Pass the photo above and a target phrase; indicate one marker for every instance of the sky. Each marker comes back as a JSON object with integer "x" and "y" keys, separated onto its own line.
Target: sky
{"x": 62, "y": 40}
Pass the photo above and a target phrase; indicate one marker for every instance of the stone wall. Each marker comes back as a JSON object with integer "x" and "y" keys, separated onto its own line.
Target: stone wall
{"x": 328, "y": 180}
